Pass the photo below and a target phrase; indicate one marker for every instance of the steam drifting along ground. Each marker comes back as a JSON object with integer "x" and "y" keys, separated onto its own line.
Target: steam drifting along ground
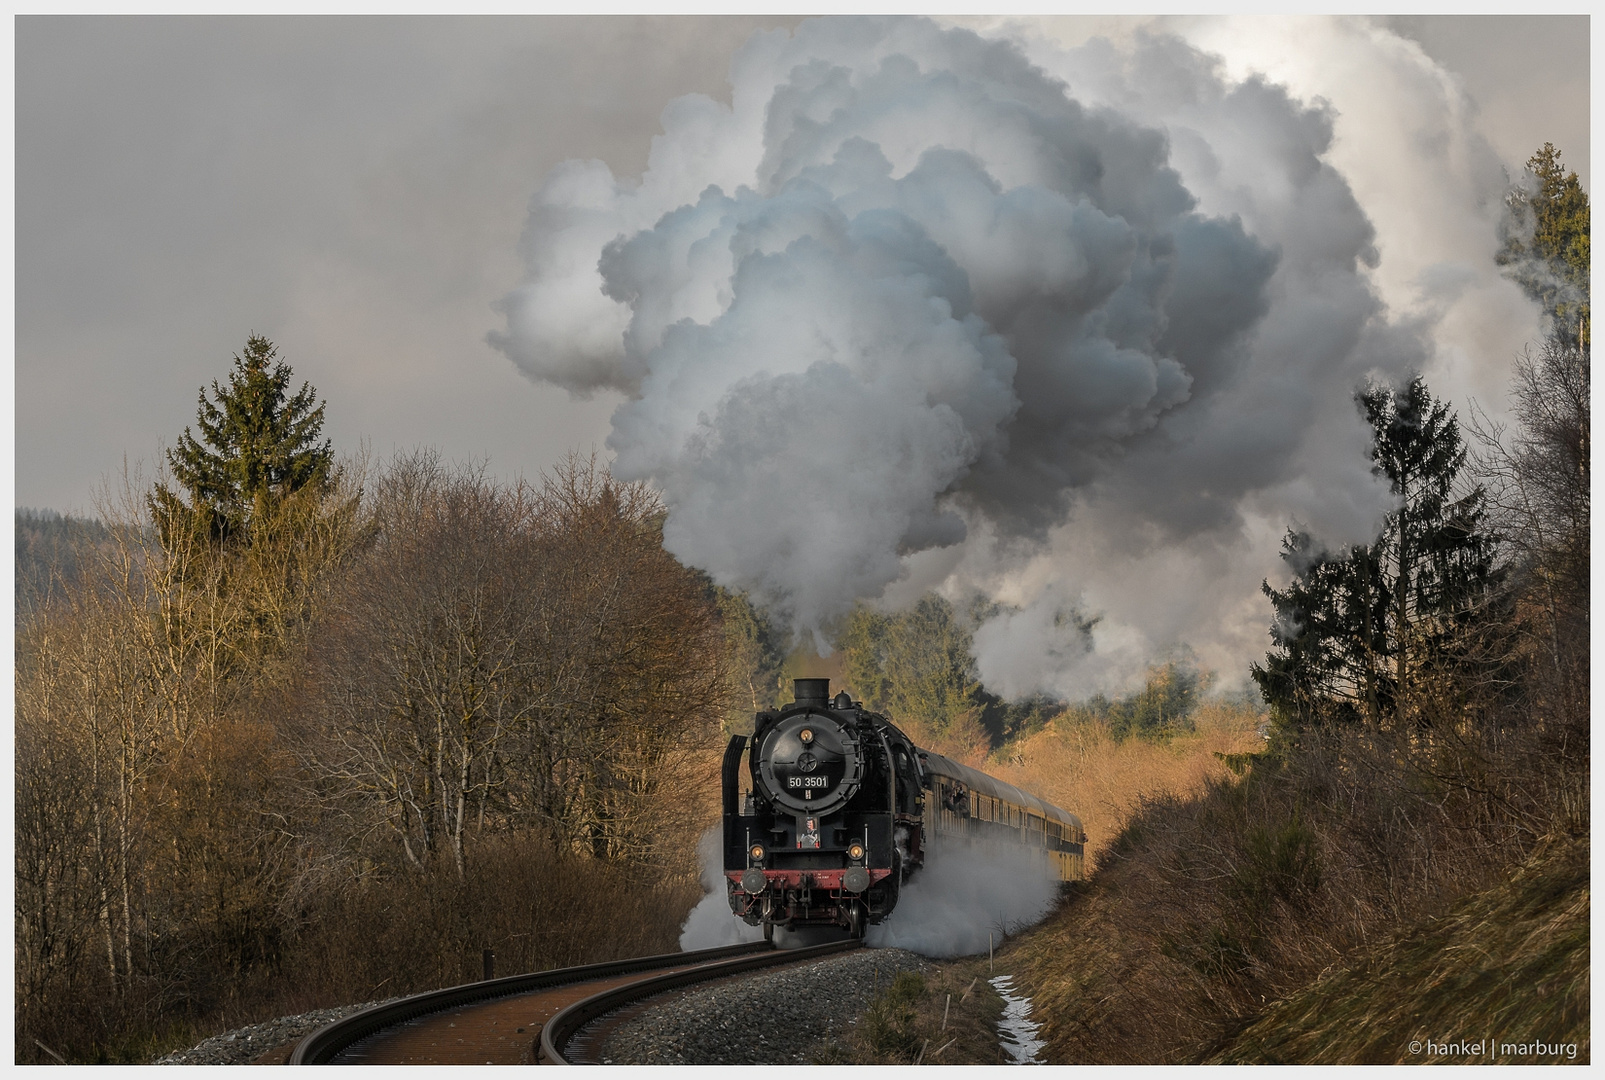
{"x": 963, "y": 898}
{"x": 1076, "y": 327}
{"x": 710, "y": 923}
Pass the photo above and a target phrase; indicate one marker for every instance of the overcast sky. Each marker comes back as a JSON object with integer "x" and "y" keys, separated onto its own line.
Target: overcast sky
{"x": 355, "y": 189}
{"x": 1073, "y": 309}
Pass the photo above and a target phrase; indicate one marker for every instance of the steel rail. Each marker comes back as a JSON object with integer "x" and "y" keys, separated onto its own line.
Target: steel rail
{"x": 562, "y": 1028}
{"x": 320, "y": 1047}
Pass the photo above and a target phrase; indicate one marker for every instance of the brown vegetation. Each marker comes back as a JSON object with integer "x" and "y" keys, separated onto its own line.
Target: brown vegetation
{"x": 1503, "y": 978}
{"x": 1206, "y": 910}
{"x": 1078, "y": 763}
{"x": 385, "y": 723}
{"x": 948, "y": 1018}
{"x": 1291, "y": 911}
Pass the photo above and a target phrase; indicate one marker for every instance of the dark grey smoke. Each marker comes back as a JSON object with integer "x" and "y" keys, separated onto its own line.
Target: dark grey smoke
{"x": 911, "y": 291}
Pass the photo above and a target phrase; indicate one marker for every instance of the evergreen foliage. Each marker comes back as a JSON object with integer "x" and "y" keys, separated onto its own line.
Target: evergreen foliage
{"x": 1005, "y": 721}
{"x": 1164, "y": 706}
{"x": 50, "y": 554}
{"x": 757, "y": 655}
{"x": 917, "y": 666}
{"x": 1547, "y": 243}
{"x": 1358, "y": 634}
{"x": 258, "y": 444}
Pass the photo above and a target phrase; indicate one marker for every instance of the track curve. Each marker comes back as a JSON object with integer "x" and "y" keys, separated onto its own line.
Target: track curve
{"x": 568, "y": 1026}
{"x": 331, "y": 1042}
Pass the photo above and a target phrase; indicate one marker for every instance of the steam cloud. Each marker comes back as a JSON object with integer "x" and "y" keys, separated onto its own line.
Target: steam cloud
{"x": 962, "y": 894}
{"x": 711, "y": 923}
{"x": 1078, "y": 328}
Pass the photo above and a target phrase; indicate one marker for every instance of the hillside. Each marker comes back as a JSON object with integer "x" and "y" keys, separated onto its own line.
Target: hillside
{"x": 1342, "y": 895}
{"x": 1503, "y": 978}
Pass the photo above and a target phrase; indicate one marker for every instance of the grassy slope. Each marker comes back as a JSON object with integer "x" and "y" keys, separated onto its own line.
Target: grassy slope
{"x": 1506, "y": 966}
{"x": 1334, "y": 901}
{"x": 1510, "y": 963}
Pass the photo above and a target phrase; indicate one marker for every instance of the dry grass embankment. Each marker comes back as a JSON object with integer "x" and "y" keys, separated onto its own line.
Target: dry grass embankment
{"x": 1501, "y": 979}
{"x": 1207, "y": 911}
{"x": 949, "y": 1018}
{"x": 1078, "y": 765}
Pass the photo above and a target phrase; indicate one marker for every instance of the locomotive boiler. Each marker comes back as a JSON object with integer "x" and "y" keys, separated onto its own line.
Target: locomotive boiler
{"x": 839, "y": 809}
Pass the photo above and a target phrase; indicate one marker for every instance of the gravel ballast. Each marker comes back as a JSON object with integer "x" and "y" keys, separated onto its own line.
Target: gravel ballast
{"x": 244, "y": 1045}
{"x": 775, "y": 1017}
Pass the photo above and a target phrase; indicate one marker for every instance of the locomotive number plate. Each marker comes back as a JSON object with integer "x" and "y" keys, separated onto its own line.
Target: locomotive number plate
{"x": 807, "y": 781}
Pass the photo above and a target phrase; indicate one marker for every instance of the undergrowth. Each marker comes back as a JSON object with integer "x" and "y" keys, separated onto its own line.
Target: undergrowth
{"x": 1292, "y": 864}
{"x": 947, "y": 1018}
{"x": 1503, "y": 978}
{"x": 534, "y": 906}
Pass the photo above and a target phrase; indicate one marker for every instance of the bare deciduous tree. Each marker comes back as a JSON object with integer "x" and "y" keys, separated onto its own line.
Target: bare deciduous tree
{"x": 512, "y": 658}
{"x": 1537, "y": 476}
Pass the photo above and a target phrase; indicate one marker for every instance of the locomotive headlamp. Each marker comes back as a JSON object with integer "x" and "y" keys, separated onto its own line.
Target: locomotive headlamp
{"x": 855, "y": 852}
{"x": 756, "y": 852}
{"x": 806, "y": 735}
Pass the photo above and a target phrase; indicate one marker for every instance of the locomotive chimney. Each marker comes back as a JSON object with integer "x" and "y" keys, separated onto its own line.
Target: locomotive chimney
{"x": 815, "y": 692}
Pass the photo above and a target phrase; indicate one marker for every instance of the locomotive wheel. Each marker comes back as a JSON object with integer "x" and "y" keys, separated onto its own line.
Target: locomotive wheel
{"x": 769, "y": 931}
{"x": 855, "y": 921}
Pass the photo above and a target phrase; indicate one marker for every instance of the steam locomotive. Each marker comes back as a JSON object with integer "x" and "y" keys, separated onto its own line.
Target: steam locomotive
{"x": 841, "y": 809}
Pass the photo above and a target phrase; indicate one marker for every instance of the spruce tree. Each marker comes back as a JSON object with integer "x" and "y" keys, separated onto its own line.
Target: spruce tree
{"x": 1547, "y": 244}
{"x": 258, "y": 444}
{"x": 1364, "y": 634}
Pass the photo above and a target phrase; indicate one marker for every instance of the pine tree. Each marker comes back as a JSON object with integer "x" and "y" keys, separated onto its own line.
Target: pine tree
{"x": 1367, "y": 633}
{"x": 1329, "y": 636}
{"x": 258, "y": 444}
{"x": 1547, "y": 243}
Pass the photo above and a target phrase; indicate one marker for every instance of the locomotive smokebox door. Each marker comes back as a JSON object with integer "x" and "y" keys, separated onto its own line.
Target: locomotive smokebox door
{"x": 810, "y": 763}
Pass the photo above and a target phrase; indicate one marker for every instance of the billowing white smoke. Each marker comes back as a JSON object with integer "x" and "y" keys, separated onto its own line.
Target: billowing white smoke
{"x": 711, "y": 923}
{"x": 964, "y": 896}
{"x": 961, "y": 895}
{"x": 1097, "y": 331}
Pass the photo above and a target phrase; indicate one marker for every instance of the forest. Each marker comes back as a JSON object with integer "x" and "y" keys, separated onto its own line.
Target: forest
{"x": 297, "y": 728}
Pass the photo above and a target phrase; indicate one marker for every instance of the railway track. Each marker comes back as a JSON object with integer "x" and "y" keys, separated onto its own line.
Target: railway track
{"x": 557, "y": 1017}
